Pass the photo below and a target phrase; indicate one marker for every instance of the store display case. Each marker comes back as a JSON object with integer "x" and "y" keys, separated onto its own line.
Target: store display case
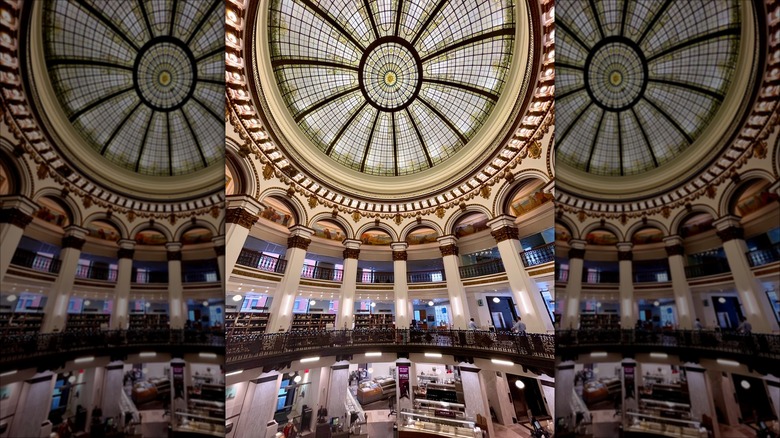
{"x": 377, "y": 389}
{"x": 440, "y": 408}
{"x": 186, "y": 424}
{"x": 421, "y": 424}
{"x": 639, "y": 424}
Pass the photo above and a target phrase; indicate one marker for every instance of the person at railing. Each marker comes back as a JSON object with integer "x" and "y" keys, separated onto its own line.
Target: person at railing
{"x": 519, "y": 326}
{"x": 744, "y": 327}
{"x": 698, "y": 325}
{"x": 472, "y": 324}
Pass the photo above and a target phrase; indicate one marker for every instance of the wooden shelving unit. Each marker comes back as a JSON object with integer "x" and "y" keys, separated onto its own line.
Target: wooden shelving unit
{"x": 86, "y": 321}
{"x": 312, "y": 321}
{"x": 592, "y": 321}
{"x": 374, "y": 321}
{"x": 20, "y": 323}
{"x": 153, "y": 321}
{"x": 244, "y": 323}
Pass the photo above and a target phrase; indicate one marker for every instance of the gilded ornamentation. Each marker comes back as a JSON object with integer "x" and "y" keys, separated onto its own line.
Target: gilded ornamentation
{"x": 173, "y": 255}
{"x": 355, "y": 215}
{"x": 760, "y": 149}
{"x": 673, "y": 250}
{"x": 625, "y": 255}
{"x": 399, "y": 256}
{"x": 299, "y": 242}
{"x": 268, "y": 171}
{"x": 440, "y": 212}
{"x": 73, "y": 242}
{"x": 15, "y": 217}
{"x": 710, "y": 191}
{"x": 505, "y": 233}
{"x": 125, "y": 253}
{"x": 351, "y": 253}
{"x": 398, "y": 219}
{"x": 731, "y": 233}
{"x": 535, "y": 150}
{"x": 87, "y": 201}
{"x": 450, "y": 249}
{"x": 666, "y": 211}
{"x": 312, "y": 201}
{"x": 241, "y": 217}
{"x": 576, "y": 253}
{"x": 484, "y": 191}
{"x": 581, "y": 215}
{"x": 43, "y": 171}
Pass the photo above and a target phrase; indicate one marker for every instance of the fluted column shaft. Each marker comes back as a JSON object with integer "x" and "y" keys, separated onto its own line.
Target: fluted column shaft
{"x": 626, "y": 267}
{"x": 241, "y": 215}
{"x": 56, "y": 309}
{"x": 176, "y": 304}
{"x": 682, "y": 292}
{"x": 345, "y": 317}
{"x": 284, "y": 297}
{"x": 570, "y": 319}
{"x": 455, "y": 289}
{"x": 124, "y": 274}
{"x": 400, "y": 285}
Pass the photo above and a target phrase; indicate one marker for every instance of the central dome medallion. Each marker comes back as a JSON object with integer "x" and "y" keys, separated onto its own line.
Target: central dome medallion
{"x": 393, "y": 87}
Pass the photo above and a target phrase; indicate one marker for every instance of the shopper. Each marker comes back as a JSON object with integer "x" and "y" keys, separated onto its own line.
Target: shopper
{"x": 698, "y": 325}
{"x": 519, "y": 326}
{"x": 745, "y": 327}
{"x": 472, "y": 324}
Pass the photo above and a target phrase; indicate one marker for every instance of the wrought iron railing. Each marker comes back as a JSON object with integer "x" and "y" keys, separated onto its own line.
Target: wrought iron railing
{"x": 322, "y": 273}
{"x": 561, "y": 274}
{"x": 201, "y": 277}
{"x": 705, "y": 269}
{"x": 600, "y": 277}
{"x": 766, "y": 345}
{"x": 431, "y": 276}
{"x": 479, "y": 269}
{"x": 244, "y": 347}
{"x": 759, "y": 257}
{"x": 263, "y": 262}
{"x": 96, "y": 273}
{"x": 654, "y": 276}
{"x": 539, "y": 255}
{"x": 29, "y": 259}
{"x": 27, "y": 346}
{"x": 144, "y": 277}
{"x": 375, "y": 277}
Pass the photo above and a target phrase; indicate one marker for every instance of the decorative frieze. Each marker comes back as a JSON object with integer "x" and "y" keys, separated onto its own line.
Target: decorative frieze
{"x": 447, "y": 250}
{"x": 400, "y": 256}
{"x": 351, "y": 253}
{"x": 731, "y": 233}
{"x": 505, "y": 233}
{"x": 299, "y": 242}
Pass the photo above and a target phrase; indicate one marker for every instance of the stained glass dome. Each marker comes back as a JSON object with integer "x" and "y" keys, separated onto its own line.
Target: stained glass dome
{"x": 141, "y": 82}
{"x": 638, "y": 81}
{"x": 390, "y": 87}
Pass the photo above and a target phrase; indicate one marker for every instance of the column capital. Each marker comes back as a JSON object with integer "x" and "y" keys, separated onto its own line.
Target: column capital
{"x": 399, "y": 251}
{"x": 578, "y": 244}
{"x": 577, "y": 249}
{"x": 299, "y": 237}
{"x": 731, "y": 233}
{"x": 351, "y": 243}
{"x": 507, "y": 232}
{"x": 447, "y": 240}
{"x": 126, "y": 249}
{"x": 18, "y": 202}
{"x": 399, "y": 246}
{"x": 501, "y": 221}
{"x": 244, "y": 202}
{"x": 727, "y": 221}
{"x": 218, "y": 240}
{"x": 173, "y": 251}
{"x": 74, "y": 237}
{"x": 241, "y": 217}
{"x": 624, "y": 251}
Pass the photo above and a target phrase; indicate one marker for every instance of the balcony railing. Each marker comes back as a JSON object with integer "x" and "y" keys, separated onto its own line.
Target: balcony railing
{"x": 96, "y": 273}
{"x": 759, "y": 257}
{"x": 600, "y": 277}
{"x": 322, "y": 273}
{"x": 29, "y": 259}
{"x": 538, "y": 255}
{"x": 432, "y": 276}
{"x": 705, "y": 269}
{"x": 654, "y": 276}
{"x": 479, "y": 269}
{"x": 93, "y": 342}
{"x": 263, "y": 262}
{"x": 145, "y": 277}
{"x": 201, "y": 277}
{"x": 561, "y": 274}
{"x": 764, "y": 345}
{"x": 244, "y": 347}
{"x": 375, "y": 277}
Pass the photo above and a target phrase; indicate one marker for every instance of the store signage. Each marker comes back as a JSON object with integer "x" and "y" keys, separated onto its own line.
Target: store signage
{"x": 403, "y": 381}
{"x": 444, "y": 413}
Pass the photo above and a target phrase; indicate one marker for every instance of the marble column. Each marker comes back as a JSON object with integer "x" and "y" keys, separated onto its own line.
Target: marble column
{"x": 175, "y": 288}
{"x": 241, "y": 214}
{"x": 33, "y": 406}
{"x": 112, "y": 389}
{"x": 474, "y": 395}
{"x": 752, "y": 294}
{"x": 337, "y": 390}
{"x": 626, "y": 267}
{"x": 570, "y": 319}
{"x": 564, "y": 390}
{"x": 17, "y": 212}
{"x": 449, "y": 254}
{"x": 120, "y": 318}
{"x": 525, "y": 291}
{"x": 682, "y": 293}
{"x": 400, "y": 285}
{"x": 700, "y": 395}
{"x": 497, "y": 389}
{"x": 284, "y": 297}
{"x": 259, "y": 405}
{"x": 219, "y": 251}
{"x": 345, "y": 317}
{"x": 56, "y": 309}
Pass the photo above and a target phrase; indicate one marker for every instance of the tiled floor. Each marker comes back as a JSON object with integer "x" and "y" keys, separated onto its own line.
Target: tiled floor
{"x": 511, "y": 431}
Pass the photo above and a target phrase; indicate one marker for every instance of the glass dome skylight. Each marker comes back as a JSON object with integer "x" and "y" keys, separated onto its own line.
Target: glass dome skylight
{"x": 391, "y": 87}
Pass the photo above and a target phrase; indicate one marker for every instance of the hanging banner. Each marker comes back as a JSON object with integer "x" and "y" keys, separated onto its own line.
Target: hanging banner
{"x": 403, "y": 381}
